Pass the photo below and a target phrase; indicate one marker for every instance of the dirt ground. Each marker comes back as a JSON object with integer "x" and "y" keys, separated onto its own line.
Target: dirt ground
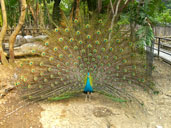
{"x": 100, "y": 112}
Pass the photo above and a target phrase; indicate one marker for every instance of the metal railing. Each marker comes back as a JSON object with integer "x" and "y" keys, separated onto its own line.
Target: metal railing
{"x": 159, "y": 43}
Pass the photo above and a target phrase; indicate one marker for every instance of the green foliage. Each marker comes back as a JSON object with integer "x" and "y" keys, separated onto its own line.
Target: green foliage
{"x": 66, "y": 6}
{"x": 138, "y": 13}
{"x": 50, "y": 7}
{"x": 13, "y": 11}
{"x": 164, "y": 17}
{"x": 124, "y": 20}
{"x": 145, "y": 35}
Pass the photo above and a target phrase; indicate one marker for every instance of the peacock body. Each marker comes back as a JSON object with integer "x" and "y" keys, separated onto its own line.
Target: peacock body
{"x": 88, "y": 57}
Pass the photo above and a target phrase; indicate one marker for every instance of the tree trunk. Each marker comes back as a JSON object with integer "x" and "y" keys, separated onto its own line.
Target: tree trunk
{"x": 17, "y": 30}
{"x": 45, "y": 12}
{"x": 56, "y": 11}
{"x": 92, "y": 5}
{"x": 99, "y": 6}
{"x": 37, "y": 12}
{"x": 33, "y": 14}
{"x": 2, "y": 33}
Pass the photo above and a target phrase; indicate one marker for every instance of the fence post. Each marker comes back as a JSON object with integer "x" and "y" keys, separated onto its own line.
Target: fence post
{"x": 149, "y": 58}
{"x": 158, "y": 46}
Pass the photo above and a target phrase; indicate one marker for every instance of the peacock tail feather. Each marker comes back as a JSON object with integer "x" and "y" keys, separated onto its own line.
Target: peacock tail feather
{"x": 70, "y": 53}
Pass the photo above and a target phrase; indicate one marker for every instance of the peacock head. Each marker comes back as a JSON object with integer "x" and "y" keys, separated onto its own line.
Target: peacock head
{"x": 88, "y": 74}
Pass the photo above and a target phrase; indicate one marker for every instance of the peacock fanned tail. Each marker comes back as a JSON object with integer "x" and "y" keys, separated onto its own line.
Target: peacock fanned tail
{"x": 113, "y": 61}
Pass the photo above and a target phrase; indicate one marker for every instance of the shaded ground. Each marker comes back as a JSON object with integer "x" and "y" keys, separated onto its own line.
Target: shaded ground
{"x": 100, "y": 112}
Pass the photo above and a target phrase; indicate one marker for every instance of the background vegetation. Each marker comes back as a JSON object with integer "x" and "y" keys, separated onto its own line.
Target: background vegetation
{"x": 139, "y": 15}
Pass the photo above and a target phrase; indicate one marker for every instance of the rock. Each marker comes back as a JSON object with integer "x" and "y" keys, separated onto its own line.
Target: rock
{"x": 41, "y": 37}
{"x": 29, "y": 38}
{"x": 26, "y": 49}
{"x": 19, "y": 40}
{"x": 102, "y": 112}
{"x": 158, "y": 126}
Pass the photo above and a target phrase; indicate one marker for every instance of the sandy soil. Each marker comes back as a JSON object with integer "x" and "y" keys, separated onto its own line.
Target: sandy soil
{"x": 100, "y": 112}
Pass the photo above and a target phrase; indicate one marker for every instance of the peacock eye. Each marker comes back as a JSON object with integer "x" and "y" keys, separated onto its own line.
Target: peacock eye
{"x": 100, "y": 21}
{"x": 88, "y": 37}
{"x": 117, "y": 41}
{"x": 31, "y": 63}
{"x": 105, "y": 40}
{"x": 59, "y": 73}
{"x": 65, "y": 47}
{"x": 93, "y": 59}
{"x": 79, "y": 57}
{"x": 43, "y": 53}
{"x": 124, "y": 61}
{"x": 60, "y": 55}
{"x": 121, "y": 50}
{"x": 33, "y": 51}
{"x": 61, "y": 39}
{"x": 130, "y": 44}
{"x": 71, "y": 40}
{"x": 103, "y": 49}
{"x": 87, "y": 25}
{"x": 89, "y": 46}
{"x": 115, "y": 57}
{"x": 55, "y": 49}
{"x": 75, "y": 63}
{"x": 22, "y": 77}
{"x": 58, "y": 65}
{"x": 94, "y": 51}
{"x": 41, "y": 64}
{"x": 66, "y": 30}
{"x": 75, "y": 48}
{"x": 78, "y": 33}
{"x": 33, "y": 70}
{"x": 98, "y": 32}
{"x": 41, "y": 73}
{"x": 80, "y": 42}
{"x": 99, "y": 57}
{"x": 46, "y": 43}
{"x": 83, "y": 51}
{"x": 56, "y": 29}
{"x": 97, "y": 42}
{"x": 21, "y": 65}
{"x": 90, "y": 54}
{"x": 67, "y": 63}
{"x": 35, "y": 78}
{"x": 49, "y": 69}
{"x": 75, "y": 20}
{"x": 51, "y": 58}
{"x": 111, "y": 49}
{"x": 70, "y": 55}
{"x": 25, "y": 79}
{"x": 117, "y": 67}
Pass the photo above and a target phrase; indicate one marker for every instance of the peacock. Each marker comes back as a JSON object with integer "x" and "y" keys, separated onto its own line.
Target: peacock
{"x": 84, "y": 56}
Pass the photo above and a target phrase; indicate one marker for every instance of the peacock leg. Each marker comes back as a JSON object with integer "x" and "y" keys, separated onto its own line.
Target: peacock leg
{"x": 86, "y": 97}
{"x": 89, "y": 96}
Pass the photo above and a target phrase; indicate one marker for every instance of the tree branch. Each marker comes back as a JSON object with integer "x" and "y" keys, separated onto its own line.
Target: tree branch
{"x": 114, "y": 16}
{"x": 2, "y": 33}
{"x": 17, "y": 30}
